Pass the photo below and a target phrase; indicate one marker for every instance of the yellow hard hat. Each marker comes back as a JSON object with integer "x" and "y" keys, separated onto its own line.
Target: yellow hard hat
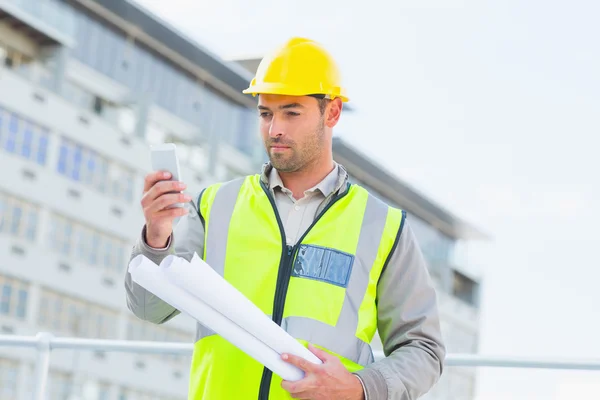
{"x": 300, "y": 67}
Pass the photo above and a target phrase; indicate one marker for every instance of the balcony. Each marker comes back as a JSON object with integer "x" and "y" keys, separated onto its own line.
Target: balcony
{"x": 48, "y": 22}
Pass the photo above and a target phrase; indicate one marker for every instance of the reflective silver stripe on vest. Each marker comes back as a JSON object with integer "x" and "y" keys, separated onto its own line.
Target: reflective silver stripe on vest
{"x": 366, "y": 252}
{"x": 217, "y": 229}
{"x": 340, "y": 339}
{"x": 218, "y": 223}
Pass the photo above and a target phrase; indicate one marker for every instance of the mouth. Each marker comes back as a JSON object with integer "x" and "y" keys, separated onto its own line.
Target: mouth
{"x": 279, "y": 148}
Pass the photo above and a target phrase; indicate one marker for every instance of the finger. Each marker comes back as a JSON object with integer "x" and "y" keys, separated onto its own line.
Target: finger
{"x": 171, "y": 213}
{"x": 165, "y": 201}
{"x": 154, "y": 177}
{"x": 303, "y": 395}
{"x": 299, "y": 362}
{"x": 322, "y": 355}
{"x": 161, "y": 188}
{"x": 301, "y": 386}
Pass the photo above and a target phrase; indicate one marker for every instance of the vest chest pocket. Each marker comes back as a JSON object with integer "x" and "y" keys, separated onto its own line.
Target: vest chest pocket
{"x": 323, "y": 264}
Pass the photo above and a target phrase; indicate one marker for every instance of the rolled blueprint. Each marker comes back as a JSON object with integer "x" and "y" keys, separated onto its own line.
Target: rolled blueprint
{"x": 151, "y": 277}
{"x": 200, "y": 280}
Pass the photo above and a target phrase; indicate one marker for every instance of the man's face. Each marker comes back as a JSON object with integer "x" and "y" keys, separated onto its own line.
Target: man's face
{"x": 293, "y": 130}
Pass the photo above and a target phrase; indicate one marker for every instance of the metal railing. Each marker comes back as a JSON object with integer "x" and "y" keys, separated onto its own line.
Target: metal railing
{"x": 45, "y": 342}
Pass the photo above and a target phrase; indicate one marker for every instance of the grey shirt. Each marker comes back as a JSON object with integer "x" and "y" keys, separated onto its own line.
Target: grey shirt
{"x": 408, "y": 319}
{"x": 298, "y": 215}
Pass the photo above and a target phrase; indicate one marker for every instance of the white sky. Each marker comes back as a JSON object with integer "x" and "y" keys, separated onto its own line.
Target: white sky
{"x": 492, "y": 109}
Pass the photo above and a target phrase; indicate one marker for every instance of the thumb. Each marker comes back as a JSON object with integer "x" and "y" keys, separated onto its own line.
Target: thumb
{"x": 321, "y": 354}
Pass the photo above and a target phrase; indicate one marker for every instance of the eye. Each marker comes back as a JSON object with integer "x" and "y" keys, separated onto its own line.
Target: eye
{"x": 264, "y": 114}
{"x": 293, "y": 114}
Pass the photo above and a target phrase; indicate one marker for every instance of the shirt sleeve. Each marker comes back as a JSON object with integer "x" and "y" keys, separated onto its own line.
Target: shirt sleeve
{"x": 409, "y": 327}
{"x": 187, "y": 239}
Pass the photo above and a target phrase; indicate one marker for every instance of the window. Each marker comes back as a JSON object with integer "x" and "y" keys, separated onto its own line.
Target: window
{"x": 13, "y": 297}
{"x": 128, "y": 183}
{"x": 15, "y": 224}
{"x": 27, "y": 141}
{"x": 102, "y": 322}
{"x": 465, "y": 288}
{"x": 85, "y": 244}
{"x": 121, "y": 182}
{"x": 31, "y": 224}
{"x": 101, "y": 327}
{"x": 209, "y": 112}
{"x": 74, "y": 318}
{"x": 5, "y": 300}
{"x": 18, "y": 218}
{"x": 42, "y": 148}
{"x": 70, "y": 160}
{"x": 21, "y": 307}
{"x": 245, "y": 133}
{"x": 62, "y": 158}
{"x": 8, "y": 379}
{"x": 435, "y": 244}
{"x": 23, "y": 137}
{"x": 13, "y": 133}
{"x": 84, "y": 45}
{"x": 58, "y": 322}
{"x": 94, "y": 246}
{"x": 65, "y": 235}
{"x": 60, "y": 385}
{"x": 88, "y": 167}
{"x": 76, "y": 171}
{"x": 108, "y": 253}
{"x": 102, "y": 178}
{"x": 67, "y": 315}
{"x": 44, "y": 310}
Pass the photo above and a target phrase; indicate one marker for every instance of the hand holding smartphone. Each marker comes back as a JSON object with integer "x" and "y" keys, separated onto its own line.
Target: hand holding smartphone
{"x": 163, "y": 198}
{"x": 164, "y": 158}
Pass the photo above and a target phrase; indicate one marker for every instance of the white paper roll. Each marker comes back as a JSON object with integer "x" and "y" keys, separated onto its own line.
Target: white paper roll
{"x": 151, "y": 277}
{"x": 200, "y": 280}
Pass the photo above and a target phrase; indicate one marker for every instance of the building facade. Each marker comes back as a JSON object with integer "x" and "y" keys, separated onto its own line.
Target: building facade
{"x": 85, "y": 87}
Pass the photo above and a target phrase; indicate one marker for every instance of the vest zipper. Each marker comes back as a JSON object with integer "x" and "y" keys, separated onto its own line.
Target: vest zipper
{"x": 286, "y": 265}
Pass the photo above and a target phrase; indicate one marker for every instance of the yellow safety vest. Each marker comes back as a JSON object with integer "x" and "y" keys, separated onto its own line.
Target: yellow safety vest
{"x": 322, "y": 290}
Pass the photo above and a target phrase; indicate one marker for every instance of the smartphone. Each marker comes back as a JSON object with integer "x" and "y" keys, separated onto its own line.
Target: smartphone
{"x": 164, "y": 158}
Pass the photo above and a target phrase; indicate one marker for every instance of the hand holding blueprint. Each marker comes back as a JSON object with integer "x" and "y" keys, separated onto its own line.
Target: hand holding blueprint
{"x": 195, "y": 289}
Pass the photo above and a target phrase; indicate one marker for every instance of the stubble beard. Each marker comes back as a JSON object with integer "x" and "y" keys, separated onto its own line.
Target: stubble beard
{"x": 299, "y": 159}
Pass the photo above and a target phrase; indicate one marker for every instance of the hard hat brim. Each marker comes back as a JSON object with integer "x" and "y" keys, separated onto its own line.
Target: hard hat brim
{"x": 286, "y": 90}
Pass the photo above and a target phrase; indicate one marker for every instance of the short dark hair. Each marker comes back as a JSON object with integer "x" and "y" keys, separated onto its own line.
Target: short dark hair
{"x": 323, "y": 105}
{"x": 323, "y": 101}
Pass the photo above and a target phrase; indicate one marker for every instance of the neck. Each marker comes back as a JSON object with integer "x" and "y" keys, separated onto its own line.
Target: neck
{"x": 300, "y": 181}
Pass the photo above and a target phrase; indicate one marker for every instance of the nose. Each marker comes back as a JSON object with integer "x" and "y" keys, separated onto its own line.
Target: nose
{"x": 275, "y": 127}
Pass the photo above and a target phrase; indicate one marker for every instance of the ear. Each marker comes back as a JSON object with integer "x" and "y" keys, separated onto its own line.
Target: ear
{"x": 333, "y": 112}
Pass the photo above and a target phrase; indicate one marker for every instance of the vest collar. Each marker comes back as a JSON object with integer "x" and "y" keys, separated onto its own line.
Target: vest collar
{"x": 340, "y": 182}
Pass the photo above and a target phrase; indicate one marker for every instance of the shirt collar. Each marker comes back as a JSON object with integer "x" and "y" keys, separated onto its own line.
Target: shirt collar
{"x": 331, "y": 183}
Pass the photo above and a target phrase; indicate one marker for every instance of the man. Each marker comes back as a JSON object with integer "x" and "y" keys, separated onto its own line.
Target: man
{"x": 325, "y": 259}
